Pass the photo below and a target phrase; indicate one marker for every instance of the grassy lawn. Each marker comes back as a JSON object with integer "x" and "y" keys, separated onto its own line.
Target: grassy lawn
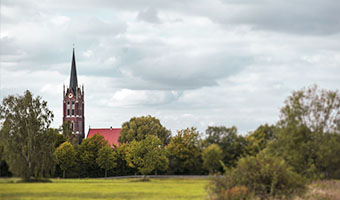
{"x": 161, "y": 189}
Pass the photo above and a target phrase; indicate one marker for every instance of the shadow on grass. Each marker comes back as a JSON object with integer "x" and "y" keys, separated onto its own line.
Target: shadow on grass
{"x": 141, "y": 180}
{"x": 34, "y": 181}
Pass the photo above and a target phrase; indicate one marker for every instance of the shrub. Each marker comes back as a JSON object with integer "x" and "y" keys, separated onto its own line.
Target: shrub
{"x": 262, "y": 176}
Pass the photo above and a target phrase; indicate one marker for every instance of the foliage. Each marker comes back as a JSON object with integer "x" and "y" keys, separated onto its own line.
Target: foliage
{"x": 268, "y": 176}
{"x": 262, "y": 175}
{"x": 211, "y": 158}
{"x": 139, "y": 127}
{"x": 318, "y": 110}
{"x": 25, "y": 135}
{"x": 236, "y": 193}
{"x": 232, "y": 144}
{"x": 258, "y": 140}
{"x": 147, "y": 155}
{"x": 67, "y": 131}
{"x": 65, "y": 155}
{"x": 106, "y": 158}
{"x": 87, "y": 153}
{"x": 308, "y": 138}
{"x": 122, "y": 167}
{"x": 184, "y": 152}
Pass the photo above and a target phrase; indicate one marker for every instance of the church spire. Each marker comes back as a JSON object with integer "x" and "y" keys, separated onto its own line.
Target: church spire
{"x": 73, "y": 78}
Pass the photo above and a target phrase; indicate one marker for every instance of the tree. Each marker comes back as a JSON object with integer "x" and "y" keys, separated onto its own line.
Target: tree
{"x": 184, "y": 152}
{"x": 28, "y": 143}
{"x": 308, "y": 138}
{"x": 258, "y": 140}
{"x": 318, "y": 110}
{"x": 87, "y": 153}
{"x": 67, "y": 131}
{"x": 212, "y": 156}
{"x": 106, "y": 158}
{"x": 147, "y": 155}
{"x": 232, "y": 144}
{"x": 65, "y": 155}
{"x": 139, "y": 127}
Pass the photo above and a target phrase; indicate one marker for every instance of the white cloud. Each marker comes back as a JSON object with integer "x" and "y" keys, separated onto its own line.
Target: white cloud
{"x": 189, "y": 63}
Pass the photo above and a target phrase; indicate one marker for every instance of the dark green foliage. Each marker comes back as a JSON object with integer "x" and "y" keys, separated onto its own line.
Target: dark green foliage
{"x": 25, "y": 135}
{"x": 184, "y": 152}
{"x": 139, "y": 127}
{"x": 147, "y": 155}
{"x": 106, "y": 158}
{"x": 65, "y": 155}
{"x": 212, "y": 155}
{"x": 86, "y": 155}
{"x": 232, "y": 144}
{"x": 122, "y": 167}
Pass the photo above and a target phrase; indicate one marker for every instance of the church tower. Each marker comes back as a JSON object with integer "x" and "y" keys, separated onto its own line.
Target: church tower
{"x": 73, "y": 104}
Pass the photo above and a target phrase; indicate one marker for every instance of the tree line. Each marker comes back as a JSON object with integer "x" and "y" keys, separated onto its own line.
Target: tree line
{"x": 306, "y": 140}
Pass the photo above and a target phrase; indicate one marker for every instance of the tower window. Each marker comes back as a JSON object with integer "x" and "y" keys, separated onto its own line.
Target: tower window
{"x": 68, "y": 102}
{"x": 68, "y": 112}
{"x": 72, "y": 111}
{"x": 72, "y": 102}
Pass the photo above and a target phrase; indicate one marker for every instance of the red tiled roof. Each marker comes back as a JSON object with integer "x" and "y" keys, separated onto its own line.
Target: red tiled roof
{"x": 111, "y": 135}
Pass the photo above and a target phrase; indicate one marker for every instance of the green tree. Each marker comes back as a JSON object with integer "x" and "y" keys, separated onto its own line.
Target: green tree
{"x": 87, "y": 153}
{"x": 212, "y": 156}
{"x": 67, "y": 131}
{"x": 258, "y": 140}
{"x": 309, "y": 132}
{"x": 184, "y": 152}
{"x": 232, "y": 144}
{"x": 28, "y": 143}
{"x": 139, "y": 127}
{"x": 147, "y": 155}
{"x": 317, "y": 109}
{"x": 65, "y": 155}
{"x": 106, "y": 158}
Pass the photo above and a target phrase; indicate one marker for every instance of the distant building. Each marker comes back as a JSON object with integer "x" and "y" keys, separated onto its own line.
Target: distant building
{"x": 73, "y": 111}
{"x": 73, "y": 104}
{"x": 111, "y": 135}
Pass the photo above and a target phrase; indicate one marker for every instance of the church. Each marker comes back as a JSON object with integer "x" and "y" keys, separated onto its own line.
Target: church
{"x": 74, "y": 111}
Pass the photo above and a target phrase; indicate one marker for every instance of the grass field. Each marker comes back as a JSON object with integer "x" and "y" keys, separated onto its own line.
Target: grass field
{"x": 128, "y": 188}
{"x": 160, "y": 189}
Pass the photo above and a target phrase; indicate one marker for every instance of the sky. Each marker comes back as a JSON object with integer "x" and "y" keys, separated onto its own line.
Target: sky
{"x": 186, "y": 62}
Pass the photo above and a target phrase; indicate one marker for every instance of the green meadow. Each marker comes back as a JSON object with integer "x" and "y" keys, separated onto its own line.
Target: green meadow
{"x": 129, "y": 188}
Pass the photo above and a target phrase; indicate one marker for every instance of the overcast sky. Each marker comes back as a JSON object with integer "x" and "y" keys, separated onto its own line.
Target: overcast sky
{"x": 186, "y": 62}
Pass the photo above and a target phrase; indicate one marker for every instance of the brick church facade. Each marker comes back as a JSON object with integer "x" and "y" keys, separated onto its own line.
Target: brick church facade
{"x": 74, "y": 112}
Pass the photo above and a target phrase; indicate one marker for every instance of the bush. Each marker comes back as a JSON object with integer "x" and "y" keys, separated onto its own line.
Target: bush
{"x": 262, "y": 176}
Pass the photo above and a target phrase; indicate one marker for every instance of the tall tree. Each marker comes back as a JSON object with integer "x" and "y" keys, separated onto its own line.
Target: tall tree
{"x": 184, "y": 152}
{"x": 317, "y": 109}
{"x": 212, "y": 156}
{"x": 309, "y": 133}
{"x": 139, "y": 127}
{"x": 106, "y": 158}
{"x": 232, "y": 144}
{"x": 65, "y": 155}
{"x": 147, "y": 155}
{"x": 28, "y": 144}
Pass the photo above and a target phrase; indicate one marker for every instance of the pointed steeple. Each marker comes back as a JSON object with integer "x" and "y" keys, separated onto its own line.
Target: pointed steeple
{"x": 73, "y": 77}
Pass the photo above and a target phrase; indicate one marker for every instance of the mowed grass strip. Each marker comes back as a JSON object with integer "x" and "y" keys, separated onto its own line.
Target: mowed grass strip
{"x": 163, "y": 189}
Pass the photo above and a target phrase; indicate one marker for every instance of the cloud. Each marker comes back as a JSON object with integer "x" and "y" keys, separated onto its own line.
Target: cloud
{"x": 149, "y": 15}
